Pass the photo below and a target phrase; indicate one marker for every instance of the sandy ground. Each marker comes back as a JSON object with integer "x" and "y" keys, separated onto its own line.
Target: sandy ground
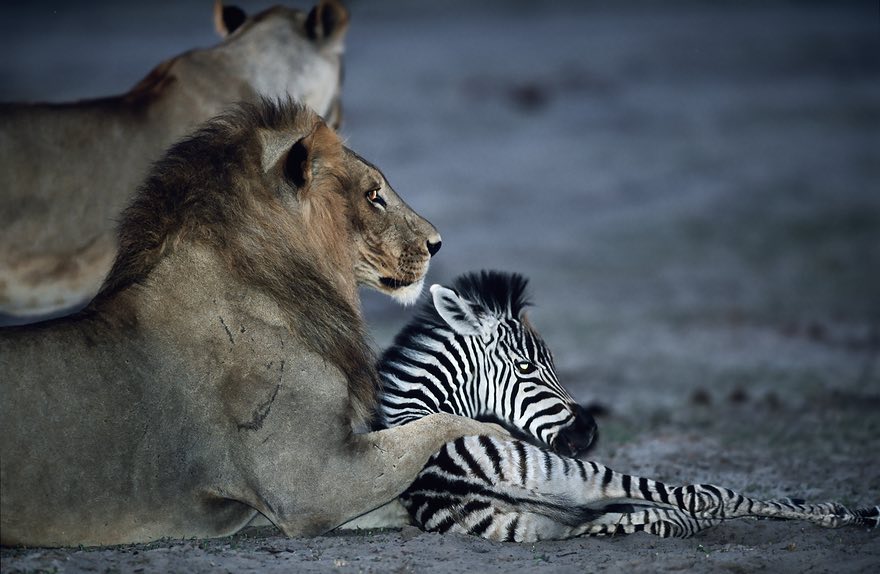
{"x": 693, "y": 192}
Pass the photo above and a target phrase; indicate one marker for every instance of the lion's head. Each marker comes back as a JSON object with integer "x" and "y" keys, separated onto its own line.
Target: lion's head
{"x": 394, "y": 243}
{"x": 344, "y": 198}
{"x": 268, "y": 179}
{"x": 298, "y": 53}
{"x": 289, "y": 211}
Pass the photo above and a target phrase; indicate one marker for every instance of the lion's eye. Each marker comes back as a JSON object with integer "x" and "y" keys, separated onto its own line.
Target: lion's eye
{"x": 525, "y": 367}
{"x": 374, "y": 197}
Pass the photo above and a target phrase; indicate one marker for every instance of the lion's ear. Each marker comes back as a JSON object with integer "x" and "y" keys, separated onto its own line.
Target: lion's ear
{"x": 300, "y": 159}
{"x": 227, "y": 19}
{"x": 297, "y": 167}
{"x": 327, "y": 23}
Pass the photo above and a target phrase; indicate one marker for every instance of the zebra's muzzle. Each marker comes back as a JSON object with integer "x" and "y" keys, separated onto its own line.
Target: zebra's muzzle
{"x": 577, "y": 438}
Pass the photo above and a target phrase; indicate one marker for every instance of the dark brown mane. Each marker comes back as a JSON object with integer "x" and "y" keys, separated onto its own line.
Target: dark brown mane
{"x": 210, "y": 189}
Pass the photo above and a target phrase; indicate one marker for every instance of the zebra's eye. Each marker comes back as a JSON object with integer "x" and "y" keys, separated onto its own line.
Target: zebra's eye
{"x": 525, "y": 367}
{"x": 374, "y": 198}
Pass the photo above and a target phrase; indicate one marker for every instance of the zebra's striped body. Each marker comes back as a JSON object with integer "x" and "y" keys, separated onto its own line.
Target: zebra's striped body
{"x": 463, "y": 356}
{"x": 513, "y": 491}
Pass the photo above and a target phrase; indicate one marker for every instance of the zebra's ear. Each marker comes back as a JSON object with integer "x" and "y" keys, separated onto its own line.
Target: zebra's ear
{"x": 464, "y": 317}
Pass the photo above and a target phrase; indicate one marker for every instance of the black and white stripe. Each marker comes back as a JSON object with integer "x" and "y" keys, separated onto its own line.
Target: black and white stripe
{"x": 472, "y": 352}
{"x": 512, "y": 491}
{"x": 460, "y": 356}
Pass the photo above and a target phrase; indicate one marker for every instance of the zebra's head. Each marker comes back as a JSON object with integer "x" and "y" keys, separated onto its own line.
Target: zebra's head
{"x": 480, "y": 356}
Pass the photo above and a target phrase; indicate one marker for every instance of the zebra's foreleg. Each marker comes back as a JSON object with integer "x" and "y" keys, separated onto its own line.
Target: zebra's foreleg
{"x": 731, "y": 504}
{"x": 710, "y": 502}
{"x": 662, "y": 522}
{"x": 707, "y": 502}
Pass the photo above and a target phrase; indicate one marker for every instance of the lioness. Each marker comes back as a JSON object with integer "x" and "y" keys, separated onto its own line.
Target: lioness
{"x": 70, "y": 168}
{"x": 220, "y": 370}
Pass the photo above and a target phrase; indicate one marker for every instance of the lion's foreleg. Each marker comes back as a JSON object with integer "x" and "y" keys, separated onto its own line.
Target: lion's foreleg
{"x": 375, "y": 469}
{"x": 397, "y": 455}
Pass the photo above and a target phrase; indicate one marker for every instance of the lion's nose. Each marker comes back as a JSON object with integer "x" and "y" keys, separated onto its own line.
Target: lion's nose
{"x": 434, "y": 247}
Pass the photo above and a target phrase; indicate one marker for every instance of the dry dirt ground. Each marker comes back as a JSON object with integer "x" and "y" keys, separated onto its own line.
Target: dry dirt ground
{"x": 693, "y": 189}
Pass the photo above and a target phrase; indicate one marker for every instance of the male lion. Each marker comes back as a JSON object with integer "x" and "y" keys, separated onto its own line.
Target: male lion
{"x": 220, "y": 370}
{"x": 69, "y": 169}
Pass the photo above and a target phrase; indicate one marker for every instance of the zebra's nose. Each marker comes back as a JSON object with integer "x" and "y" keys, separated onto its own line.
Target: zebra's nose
{"x": 577, "y": 437}
{"x": 434, "y": 247}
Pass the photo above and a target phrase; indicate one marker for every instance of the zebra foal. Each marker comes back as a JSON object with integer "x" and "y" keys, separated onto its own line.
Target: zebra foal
{"x": 472, "y": 352}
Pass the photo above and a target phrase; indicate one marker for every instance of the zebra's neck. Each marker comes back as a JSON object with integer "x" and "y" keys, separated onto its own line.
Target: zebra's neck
{"x": 433, "y": 373}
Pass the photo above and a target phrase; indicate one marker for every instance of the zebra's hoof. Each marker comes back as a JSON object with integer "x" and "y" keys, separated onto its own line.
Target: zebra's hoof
{"x": 869, "y": 516}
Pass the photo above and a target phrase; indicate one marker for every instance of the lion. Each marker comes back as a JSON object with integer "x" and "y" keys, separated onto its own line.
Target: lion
{"x": 220, "y": 371}
{"x": 70, "y": 168}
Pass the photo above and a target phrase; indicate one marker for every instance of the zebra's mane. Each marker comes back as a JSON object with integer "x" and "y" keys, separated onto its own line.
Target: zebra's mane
{"x": 500, "y": 294}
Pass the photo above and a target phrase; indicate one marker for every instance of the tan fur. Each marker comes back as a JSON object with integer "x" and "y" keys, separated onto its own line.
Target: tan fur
{"x": 70, "y": 168}
{"x": 221, "y": 369}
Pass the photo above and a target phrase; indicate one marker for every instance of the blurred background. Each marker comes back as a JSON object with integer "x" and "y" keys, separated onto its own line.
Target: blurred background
{"x": 692, "y": 187}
